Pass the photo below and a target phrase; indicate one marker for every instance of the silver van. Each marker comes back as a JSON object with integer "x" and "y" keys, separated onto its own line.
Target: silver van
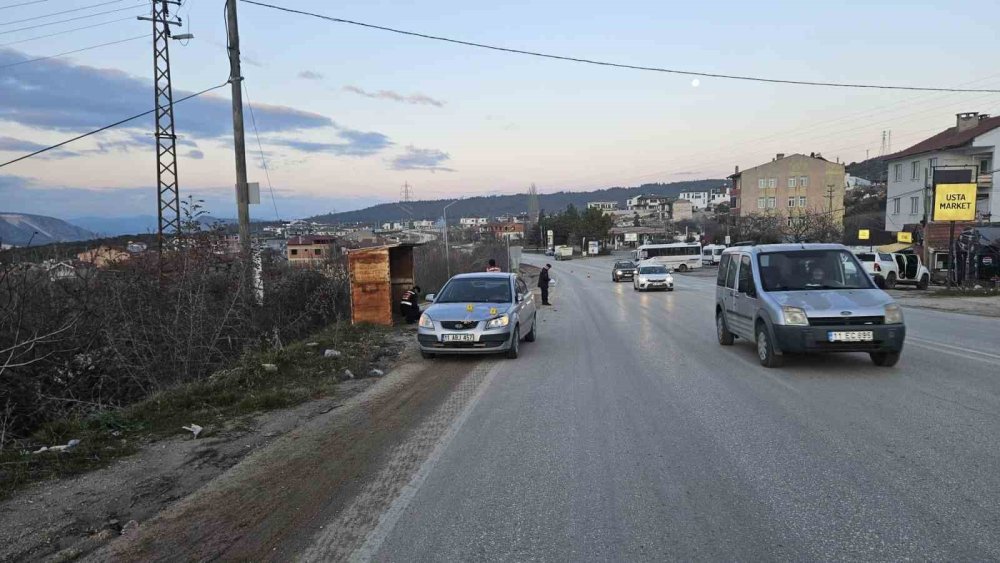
{"x": 795, "y": 298}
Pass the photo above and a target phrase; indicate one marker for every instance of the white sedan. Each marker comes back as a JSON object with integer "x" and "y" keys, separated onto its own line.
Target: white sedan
{"x": 652, "y": 277}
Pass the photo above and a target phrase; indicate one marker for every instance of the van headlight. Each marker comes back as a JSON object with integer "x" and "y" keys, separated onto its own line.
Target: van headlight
{"x": 795, "y": 316}
{"x": 893, "y": 314}
{"x": 499, "y": 322}
{"x": 425, "y": 321}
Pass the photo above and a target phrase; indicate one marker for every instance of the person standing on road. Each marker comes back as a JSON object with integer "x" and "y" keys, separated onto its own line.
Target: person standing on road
{"x": 543, "y": 283}
{"x": 409, "y": 305}
{"x": 492, "y": 267}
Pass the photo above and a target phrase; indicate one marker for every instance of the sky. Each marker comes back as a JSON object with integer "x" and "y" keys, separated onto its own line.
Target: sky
{"x": 345, "y": 115}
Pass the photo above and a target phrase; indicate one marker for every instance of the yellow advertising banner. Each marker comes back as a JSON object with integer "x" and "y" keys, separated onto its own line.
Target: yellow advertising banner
{"x": 954, "y": 202}
{"x": 903, "y": 236}
{"x": 864, "y": 234}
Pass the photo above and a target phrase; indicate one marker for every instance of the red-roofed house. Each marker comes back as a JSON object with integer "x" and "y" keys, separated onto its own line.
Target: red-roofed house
{"x": 972, "y": 142}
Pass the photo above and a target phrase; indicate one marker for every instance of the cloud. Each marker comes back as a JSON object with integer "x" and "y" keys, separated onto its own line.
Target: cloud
{"x": 415, "y": 99}
{"x": 310, "y": 75}
{"x": 357, "y": 143}
{"x": 10, "y": 144}
{"x": 58, "y": 95}
{"x": 421, "y": 159}
{"x": 195, "y": 154}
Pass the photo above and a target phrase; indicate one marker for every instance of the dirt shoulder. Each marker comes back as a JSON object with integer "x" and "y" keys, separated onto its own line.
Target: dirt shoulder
{"x": 248, "y": 488}
{"x": 270, "y": 504}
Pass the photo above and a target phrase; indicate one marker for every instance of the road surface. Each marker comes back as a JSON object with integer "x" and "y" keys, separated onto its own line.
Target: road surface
{"x": 627, "y": 433}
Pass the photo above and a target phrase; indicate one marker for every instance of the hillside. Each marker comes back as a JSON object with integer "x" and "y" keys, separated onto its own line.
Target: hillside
{"x": 20, "y": 228}
{"x": 499, "y": 205}
{"x": 873, "y": 169}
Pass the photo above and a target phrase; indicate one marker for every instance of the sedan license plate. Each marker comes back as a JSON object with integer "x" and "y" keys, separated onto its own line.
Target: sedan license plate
{"x": 459, "y": 338}
{"x": 851, "y": 336}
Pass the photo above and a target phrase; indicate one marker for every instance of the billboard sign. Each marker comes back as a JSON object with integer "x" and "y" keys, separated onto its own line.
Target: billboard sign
{"x": 631, "y": 237}
{"x": 552, "y": 239}
{"x": 593, "y": 248}
{"x": 864, "y": 234}
{"x": 903, "y": 236}
{"x": 955, "y": 202}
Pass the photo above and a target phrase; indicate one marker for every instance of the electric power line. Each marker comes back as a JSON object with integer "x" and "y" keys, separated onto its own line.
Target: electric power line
{"x": 22, "y": 4}
{"x": 74, "y": 51}
{"x": 73, "y": 19}
{"x": 260, "y": 147}
{"x": 52, "y": 14}
{"x": 130, "y": 18}
{"x": 611, "y": 64}
{"x": 106, "y": 127}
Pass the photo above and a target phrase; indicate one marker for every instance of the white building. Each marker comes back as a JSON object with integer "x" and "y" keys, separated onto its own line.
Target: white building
{"x": 605, "y": 206}
{"x": 971, "y": 143}
{"x": 851, "y": 182}
{"x": 423, "y": 224}
{"x": 646, "y": 203}
{"x": 699, "y": 200}
{"x": 472, "y": 221}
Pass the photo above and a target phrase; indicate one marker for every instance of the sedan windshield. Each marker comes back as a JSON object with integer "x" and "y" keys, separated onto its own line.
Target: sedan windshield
{"x": 475, "y": 290}
{"x": 800, "y": 270}
{"x": 653, "y": 270}
{"x": 626, "y": 265}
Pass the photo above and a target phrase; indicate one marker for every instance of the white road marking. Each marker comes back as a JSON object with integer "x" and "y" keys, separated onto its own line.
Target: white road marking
{"x": 959, "y": 351}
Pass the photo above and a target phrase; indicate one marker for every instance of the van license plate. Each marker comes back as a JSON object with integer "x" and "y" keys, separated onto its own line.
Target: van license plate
{"x": 459, "y": 337}
{"x": 851, "y": 336}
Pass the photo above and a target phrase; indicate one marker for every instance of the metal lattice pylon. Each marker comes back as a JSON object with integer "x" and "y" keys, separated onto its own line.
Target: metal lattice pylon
{"x": 168, "y": 197}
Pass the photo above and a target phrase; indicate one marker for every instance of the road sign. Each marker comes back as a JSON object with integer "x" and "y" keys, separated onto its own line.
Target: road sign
{"x": 954, "y": 202}
{"x": 551, "y": 238}
{"x": 593, "y": 248}
{"x": 903, "y": 236}
{"x": 728, "y": 240}
{"x": 864, "y": 234}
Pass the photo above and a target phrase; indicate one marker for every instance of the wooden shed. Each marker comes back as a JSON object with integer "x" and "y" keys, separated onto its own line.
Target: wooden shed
{"x": 379, "y": 276}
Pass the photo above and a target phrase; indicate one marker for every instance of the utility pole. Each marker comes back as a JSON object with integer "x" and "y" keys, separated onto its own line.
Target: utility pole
{"x": 236, "y": 82}
{"x": 829, "y": 197}
{"x": 447, "y": 248}
{"x": 167, "y": 191}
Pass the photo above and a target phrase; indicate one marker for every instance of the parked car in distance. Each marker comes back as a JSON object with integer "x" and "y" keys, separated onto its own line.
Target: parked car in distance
{"x": 550, "y": 252}
{"x": 711, "y": 254}
{"x": 623, "y": 269}
{"x": 791, "y": 298}
{"x": 880, "y": 266}
{"x": 650, "y": 275}
{"x": 478, "y": 313}
{"x": 911, "y": 270}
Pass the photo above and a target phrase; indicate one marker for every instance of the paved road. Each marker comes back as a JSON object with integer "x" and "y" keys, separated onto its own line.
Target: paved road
{"x": 627, "y": 433}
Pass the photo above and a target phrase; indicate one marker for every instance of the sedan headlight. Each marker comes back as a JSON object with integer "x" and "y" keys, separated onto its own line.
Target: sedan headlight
{"x": 670, "y": 279}
{"x": 426, "y": 322}
{"x": 618, "y": 272}
{"x": 795, "y": 316}
{"x": 499, "y": 322}
{"x": 893, "y": 314}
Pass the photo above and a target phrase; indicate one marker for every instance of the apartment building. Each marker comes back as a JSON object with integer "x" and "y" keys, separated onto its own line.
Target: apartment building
{"x": 791, "y": 185}
{"x": 971, "y": 144}
{"x": 309, "y": 250}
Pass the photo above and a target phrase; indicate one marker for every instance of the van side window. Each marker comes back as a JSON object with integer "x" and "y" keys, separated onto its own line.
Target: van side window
{"x": 731, "y": 272}
{"x": 720, "y": 278}
{"x": 746, "y": 276}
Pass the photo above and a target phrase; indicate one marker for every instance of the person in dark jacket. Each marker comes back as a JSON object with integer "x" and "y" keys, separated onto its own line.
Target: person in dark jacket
{"x": 543, "y": 283}
{"x": 409, "y": 305}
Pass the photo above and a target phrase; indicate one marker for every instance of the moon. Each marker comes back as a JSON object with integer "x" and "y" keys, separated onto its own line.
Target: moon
{"x": 695, "y": 83}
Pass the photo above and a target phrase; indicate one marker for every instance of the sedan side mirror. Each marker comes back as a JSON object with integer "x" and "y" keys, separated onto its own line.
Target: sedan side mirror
{"x": 430, "y": 297}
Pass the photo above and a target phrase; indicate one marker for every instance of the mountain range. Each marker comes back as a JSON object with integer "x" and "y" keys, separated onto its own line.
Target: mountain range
{"x": 20, "y": 229}
{"x": 492, "y": 206}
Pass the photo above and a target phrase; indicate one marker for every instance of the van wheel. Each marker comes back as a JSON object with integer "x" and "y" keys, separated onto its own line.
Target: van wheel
{"x": 890, "y": 280}
{"x": 682, "y": 268}
{"x": 765, "y": 349}
{"x": 924, "y": 282}
{"x": 515, "y": 344}
{"x": 725, "y": 337}
{"x": 884, "y": 359}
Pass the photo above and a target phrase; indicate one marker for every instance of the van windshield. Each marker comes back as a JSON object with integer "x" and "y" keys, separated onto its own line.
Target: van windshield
{"x": 800, "y": 270}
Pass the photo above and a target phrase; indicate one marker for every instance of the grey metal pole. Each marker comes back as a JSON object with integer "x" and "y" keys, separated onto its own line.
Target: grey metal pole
{"x": 447, "y": 248}
{"x": 236, "y": 82}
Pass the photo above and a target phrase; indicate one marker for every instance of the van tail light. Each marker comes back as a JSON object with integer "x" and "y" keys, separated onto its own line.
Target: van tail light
{"x": 878, "y": 267}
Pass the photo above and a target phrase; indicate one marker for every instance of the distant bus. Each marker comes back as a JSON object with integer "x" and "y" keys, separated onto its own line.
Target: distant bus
{"x": 680, "y": 256}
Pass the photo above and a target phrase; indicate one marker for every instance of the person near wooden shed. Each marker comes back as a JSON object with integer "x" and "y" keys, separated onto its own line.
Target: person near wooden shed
{"x": 409, "y": 305}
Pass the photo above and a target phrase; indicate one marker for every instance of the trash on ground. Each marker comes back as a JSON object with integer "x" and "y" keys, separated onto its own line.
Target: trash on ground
{"x": 67, "y": 447}
{"x": 194, "y": 429}
{"x": 377, "y": 372}
{"x": 331, "y": 353}
{"x": 269, "y": 367}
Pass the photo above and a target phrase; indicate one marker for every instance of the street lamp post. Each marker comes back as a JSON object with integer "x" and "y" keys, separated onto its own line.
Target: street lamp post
{"x": 447, "y": 248}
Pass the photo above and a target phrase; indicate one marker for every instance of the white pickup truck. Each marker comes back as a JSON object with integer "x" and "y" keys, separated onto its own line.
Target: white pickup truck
{"x": 564, "y": 252}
